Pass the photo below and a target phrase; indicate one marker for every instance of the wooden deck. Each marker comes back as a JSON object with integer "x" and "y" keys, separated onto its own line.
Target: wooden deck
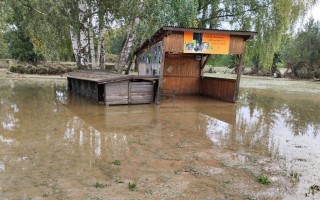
{"x": 112, "y": 88}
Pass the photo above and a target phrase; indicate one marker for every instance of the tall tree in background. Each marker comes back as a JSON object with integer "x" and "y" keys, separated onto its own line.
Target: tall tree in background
{"x": 270, "y": 18}
{"x": 61, "y": 28}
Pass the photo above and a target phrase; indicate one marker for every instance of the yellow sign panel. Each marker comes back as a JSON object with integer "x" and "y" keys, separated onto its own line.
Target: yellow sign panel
{"x": 206, "y": 43}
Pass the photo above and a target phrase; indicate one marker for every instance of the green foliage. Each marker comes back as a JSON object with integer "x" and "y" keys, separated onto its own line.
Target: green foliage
{"x": 119, "y": 180}
{"x": 264, "y": 180}
{"x": 48, "y": 24}
{"x": 116, "y": 162}
{"x": 41, "y": 69}
{"x": 302, "y": 52}
{"x": 132, "y": 186}
{"x": 4, "y": 49}
{"x": 112, "y": 58}
{"x": 223, "y": 60}
{"x": 21, "y": 48}
{"x": 98, "y": 185}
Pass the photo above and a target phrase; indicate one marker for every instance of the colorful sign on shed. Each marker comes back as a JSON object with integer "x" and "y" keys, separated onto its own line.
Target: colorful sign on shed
{"x": 206, "y": 43}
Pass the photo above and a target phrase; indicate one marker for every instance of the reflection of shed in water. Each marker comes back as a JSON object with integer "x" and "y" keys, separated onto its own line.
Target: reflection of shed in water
{"x": 113, "y": 89}
{"x": 178, "y": 55}
{"x": 185, "y": 111}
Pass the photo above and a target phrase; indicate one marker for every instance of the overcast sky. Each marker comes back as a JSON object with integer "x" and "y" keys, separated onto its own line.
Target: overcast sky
{"x": 315, "y": 13}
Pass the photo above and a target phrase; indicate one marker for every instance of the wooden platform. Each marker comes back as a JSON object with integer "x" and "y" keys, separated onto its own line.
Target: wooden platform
{"x": 112, "y": 88}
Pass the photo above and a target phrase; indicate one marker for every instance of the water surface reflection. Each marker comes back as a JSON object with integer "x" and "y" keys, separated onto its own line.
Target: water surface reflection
{"x": 58, "y": 145}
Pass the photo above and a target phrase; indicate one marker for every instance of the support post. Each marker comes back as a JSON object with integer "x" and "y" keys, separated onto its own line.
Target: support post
{"x": 239, "y": 71}
{"x": 203, "y": 63}
{"x": 163, "y": 57}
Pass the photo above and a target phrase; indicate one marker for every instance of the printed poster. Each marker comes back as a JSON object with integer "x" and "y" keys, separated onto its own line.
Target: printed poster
{"x": 206, "y": 43}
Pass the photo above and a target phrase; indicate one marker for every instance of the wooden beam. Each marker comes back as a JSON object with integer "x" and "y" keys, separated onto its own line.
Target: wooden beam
{"x": 203, "y": 63}
{"x": 239, "y": 71}
{"x": 158, "y": 91}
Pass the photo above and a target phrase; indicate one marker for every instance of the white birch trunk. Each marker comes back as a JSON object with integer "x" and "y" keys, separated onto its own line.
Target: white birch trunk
{"x": 92, "y": 49}
{"x": 127, "y": 48}
{"x": 84, "y": 42}
{"x": 101, "y": 52}
{"x": 75, "y": 45}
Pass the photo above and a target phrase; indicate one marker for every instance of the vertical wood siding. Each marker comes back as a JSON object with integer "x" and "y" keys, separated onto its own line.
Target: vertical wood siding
{"x": 125, "y": 92}
{"x": 218, "y": 88}
{"x": 237, "y": 45}
{"x": 182, "y": 74}
{"x": 174, "y": 43}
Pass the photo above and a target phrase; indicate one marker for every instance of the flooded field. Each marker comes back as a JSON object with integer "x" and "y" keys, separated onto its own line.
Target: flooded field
{"x": 57, "y": 146}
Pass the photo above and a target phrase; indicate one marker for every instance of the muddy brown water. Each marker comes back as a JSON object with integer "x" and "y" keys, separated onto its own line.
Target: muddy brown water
{"x": 54, "y": 145}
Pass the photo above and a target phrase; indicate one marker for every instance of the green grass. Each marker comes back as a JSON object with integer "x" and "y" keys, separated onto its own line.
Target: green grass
{"x": 119, "y": 180}
{"x": 116, "y": 162}
{"x": 264, "y": 180}
{"x": 98, "y": 185}
{"x": 132, "y": 186}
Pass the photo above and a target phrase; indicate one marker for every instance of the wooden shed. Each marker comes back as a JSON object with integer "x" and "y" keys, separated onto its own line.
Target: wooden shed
{"x": 178, "y": 56}
{"x": 111, "y": 88}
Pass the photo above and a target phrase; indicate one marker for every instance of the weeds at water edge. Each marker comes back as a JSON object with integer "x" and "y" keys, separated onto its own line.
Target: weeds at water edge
{"x": 116, "y": 162}
{"x": 119, "y": 180}
{"x": 295, "y": 176}
{"x": 98, "y": 185}
{"x": 313, "y": 189}
{"x": 132, "y": 186}
{"x": 264, "y": 180}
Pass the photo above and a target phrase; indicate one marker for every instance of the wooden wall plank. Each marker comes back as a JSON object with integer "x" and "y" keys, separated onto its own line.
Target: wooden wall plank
{"x": 237, "y": 45}
{"x": 173, "y": 43}
{"x": 141, "y": 92}
{"x": 116, "y": 93}
{"x": 182, "y": 74}
{"x": 218, "y": 88}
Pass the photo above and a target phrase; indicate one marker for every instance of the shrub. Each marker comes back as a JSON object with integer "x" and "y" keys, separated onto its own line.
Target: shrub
{"x": 18, "y": 69}
{"x": 31, "y": 69}
{"x": 42, "y": 70}
{"x": 69, "y": 69}
{"x": 111, "y": 58}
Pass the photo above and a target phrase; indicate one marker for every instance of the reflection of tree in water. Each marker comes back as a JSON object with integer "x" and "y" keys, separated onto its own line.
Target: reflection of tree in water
{"x": 256, "y": 118}
{"x": 300, "y": 116}
{"x": 303, "y": 116}
{"x": 8, "y": 109}
{"x": 27, "y": 104}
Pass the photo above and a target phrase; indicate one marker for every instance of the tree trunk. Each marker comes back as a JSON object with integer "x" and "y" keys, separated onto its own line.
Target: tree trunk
{"x": 127, "y": 48}
{"x": 101, "y": 51}
{"x": 75, "y": 45}
{"x": 84, "y": 42}
{"x": 94, "y": 63}
{"x": 132, "y": 61}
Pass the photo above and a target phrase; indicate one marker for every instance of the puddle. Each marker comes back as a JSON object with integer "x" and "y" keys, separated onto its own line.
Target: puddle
{"x": 56, "y": 146}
